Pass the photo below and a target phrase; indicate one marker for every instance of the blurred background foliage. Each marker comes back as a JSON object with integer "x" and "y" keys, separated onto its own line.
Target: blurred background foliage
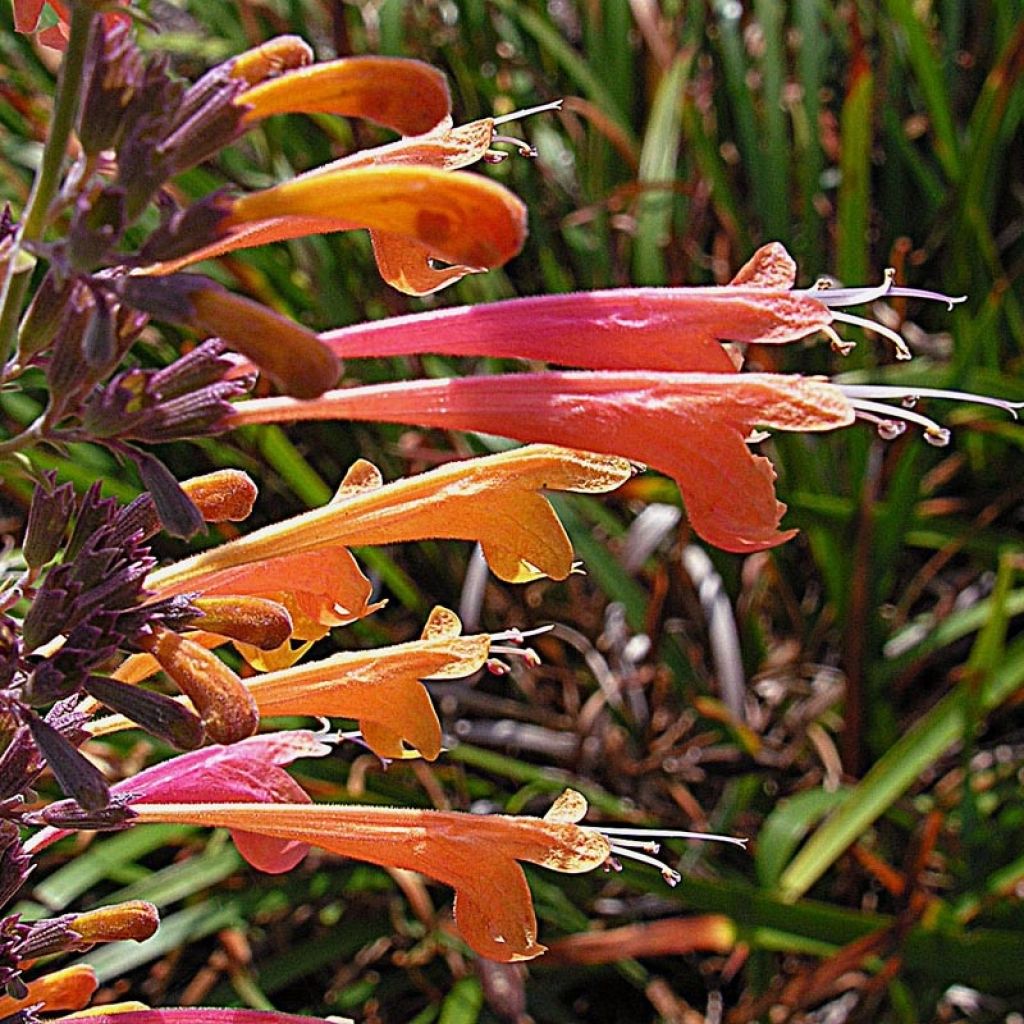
{"x": 852, "y": 700}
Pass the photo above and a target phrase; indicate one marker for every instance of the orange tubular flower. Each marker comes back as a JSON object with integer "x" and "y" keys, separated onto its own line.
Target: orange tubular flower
{"x": 381, "y": 688}
{"x": 70, "y": 988}
{"x": 475, "y": 854}
{"x": 494, "y": 500}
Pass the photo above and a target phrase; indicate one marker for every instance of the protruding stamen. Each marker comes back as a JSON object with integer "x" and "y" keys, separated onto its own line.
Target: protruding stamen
{"x": 523, "y": 148}
{"x": 902, "y": 352}
{"x": 877, "y": 412}
{"x": 614, "y": 833}
{"x": 517, "y": 636}
{"x": 518, "y": 115}
{"x": 911, "y": 395}
{"x": 671, "y": 876}
{"x": 824, "y": 292}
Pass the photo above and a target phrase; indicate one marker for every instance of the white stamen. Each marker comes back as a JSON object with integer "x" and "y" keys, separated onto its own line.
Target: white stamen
{"x": 886, "y": 412}
{"x": 517, "y": 115}
{"x": 870, "y": 391}
{"x": 614, "y": 833}
{"x": 671, "y": 877}
{"x": 902, "y": 352}
{"x": 517, "y": 636}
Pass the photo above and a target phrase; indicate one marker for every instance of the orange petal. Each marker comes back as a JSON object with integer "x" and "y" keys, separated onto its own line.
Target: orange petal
{"x": 475, "y": 854}
{"x": 320, "y": 587}
{"x": 407, "y": 95}
{"x": 460, "y": 218}
{"x": 692, "y": 426}
{"x": 379, "y": 687}
{"x": 493, "y": 500}
{"x": 771, "y": 267}
{"x": 69, "y": 988}
{"x": 272, "y": 58}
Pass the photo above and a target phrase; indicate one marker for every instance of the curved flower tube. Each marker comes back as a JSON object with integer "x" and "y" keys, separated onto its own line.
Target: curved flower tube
{"x": 476, "y": 855}
{"x": 381, "y": 688}
{"x": 692, "y": 426}
{"x": 406, "y": 95}
{"x": 494, "y": 500}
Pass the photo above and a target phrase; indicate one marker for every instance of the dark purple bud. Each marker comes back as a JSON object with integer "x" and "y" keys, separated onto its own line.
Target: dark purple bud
{"x": 46, "y": 618}
{"x": 97, "y": 226}
{"x": 44, "y": 315}
{"x": 167, "y": 298}
{"x": 176, "y": 509}
{"x": 47, "y": 684}
{"x": 64, "y": 372}
{"x": 17, "y": 764}
{"x": 15, "y": 863}
{"x": 192, "y": 415}
{"x": 99, "y": 343}
{"x": 10, "y": 649}
{"x": 205, "y": 364}
{"x": 68, "y": 814}
{"x": 186, "y": 230}
{"x": 114, "y": 71}
{"x": 48, "y": 518}
{"x": 68, "y": 720}
{"x": 158, "y": 714}
{"x": 77, "y": 777}
{"x": 137, "y": 520}
{"x": 207, "y": 121}
{"x": 93, "y": 512}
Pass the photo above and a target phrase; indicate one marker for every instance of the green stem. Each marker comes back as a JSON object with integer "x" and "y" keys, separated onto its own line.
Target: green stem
{"x": 47, "y": 180}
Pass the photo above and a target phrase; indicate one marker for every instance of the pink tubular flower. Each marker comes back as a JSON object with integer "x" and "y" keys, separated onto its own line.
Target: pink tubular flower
{"x": 244, "y": 772}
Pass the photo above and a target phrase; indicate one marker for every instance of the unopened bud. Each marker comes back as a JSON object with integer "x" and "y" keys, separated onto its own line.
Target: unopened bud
{"x": 226, "y": 495}
{"x": 135, "y": 919}
{"x": 48, "y": 518}
{"x": 158, "y": 714}
{"x": 272, "y": 58}
{"x": 252, "y": 620}
{"x": 293, "y": 356}
{"x": 224, "y": 703}
{"x": 44, "y": 315}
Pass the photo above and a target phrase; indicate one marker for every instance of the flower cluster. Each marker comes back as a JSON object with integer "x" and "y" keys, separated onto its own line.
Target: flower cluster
{"x": 652, "y": 376}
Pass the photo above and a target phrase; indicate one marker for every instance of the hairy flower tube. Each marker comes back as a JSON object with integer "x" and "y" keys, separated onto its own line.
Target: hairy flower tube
{"x": 663, "y": 388}
{"x": 477, "y": 855}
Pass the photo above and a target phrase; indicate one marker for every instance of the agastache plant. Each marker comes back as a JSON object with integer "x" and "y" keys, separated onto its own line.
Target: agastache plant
{"x": 645, "y": 376}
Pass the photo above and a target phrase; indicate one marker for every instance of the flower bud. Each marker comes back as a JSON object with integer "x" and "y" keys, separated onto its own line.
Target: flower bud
{"x": 226, "y": 495}
{"x": 221, "y": 698}
{"x": 271, "y": 59}
{"x": 136, "y": 920}
{"x": 48, "y": 518}
{"x": 44, "y": 314}
{"x": 252, "y": 620}
{"x": 114, "y": 71}
{"x": 158, "y": 714}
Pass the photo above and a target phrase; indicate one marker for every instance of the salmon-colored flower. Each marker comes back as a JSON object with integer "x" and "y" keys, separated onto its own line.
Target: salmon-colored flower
{"x": 381, "y": 688}
{"x": 476, "y": 855}
{"x": 494, "y": 500}
{"x": 693, "y": 426}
